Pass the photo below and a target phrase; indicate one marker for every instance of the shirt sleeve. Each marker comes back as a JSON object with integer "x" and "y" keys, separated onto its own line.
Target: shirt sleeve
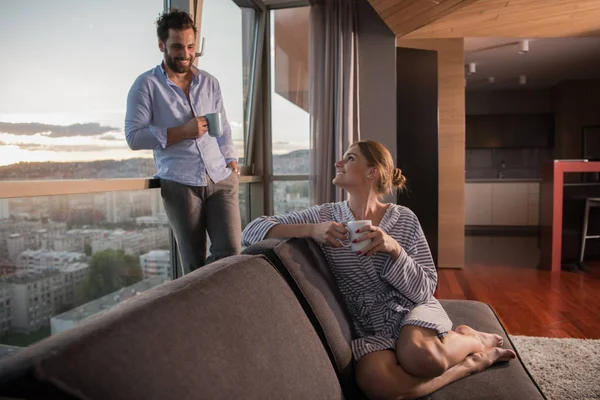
{"x": 256, "y": 230}
{"x": 413, "y": 274}
{"x": 226, "y": 140}
{"x": 139, "y": 131}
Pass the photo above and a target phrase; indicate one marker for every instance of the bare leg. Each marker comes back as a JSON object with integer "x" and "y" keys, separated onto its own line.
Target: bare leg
{"x": 423, "y": 354}
{"x": 380, "y": 377}
{"x": 488, "y": 339}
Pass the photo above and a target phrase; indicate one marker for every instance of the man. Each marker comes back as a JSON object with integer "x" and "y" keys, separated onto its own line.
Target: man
{"x": 199, "y": 175}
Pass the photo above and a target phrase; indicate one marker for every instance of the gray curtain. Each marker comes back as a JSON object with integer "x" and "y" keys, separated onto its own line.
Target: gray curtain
{"x": 333, "y": 71}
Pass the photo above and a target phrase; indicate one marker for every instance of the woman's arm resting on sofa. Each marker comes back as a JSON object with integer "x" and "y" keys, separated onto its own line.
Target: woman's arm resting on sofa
{"x": 328, "y": 233}
{"x": 291, "y": 230}
{"x": 287, "y": 225}
{"x": 308, "y": 223}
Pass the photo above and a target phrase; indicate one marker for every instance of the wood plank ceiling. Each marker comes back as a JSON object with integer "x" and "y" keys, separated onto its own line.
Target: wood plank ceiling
{"x": 405, "y": 16}
{"x": 515, "y": 18}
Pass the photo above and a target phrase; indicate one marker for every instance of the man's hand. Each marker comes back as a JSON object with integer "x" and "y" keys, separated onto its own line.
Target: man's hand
{"x": 195, "y": 127}
{"x": 328, "y": 233}
{"x": 232, "y": 165}
{"x": 192, "y": 129}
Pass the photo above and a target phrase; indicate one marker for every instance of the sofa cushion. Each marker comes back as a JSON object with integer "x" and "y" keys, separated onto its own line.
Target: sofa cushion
{"x": 503, "y": 381}
{"x": 232, "y": 329}
{"x": 304, "y": 266}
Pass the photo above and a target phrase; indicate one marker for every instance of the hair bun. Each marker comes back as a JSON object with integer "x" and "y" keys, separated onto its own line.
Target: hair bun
{"x": 398, "y": 180}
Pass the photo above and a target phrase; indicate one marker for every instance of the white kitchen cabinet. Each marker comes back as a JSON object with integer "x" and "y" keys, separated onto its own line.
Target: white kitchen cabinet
{"x": 478, "y": 204}
{"x": 510, "y": 204}
{"x": 502, "y": 203}
{"x": 533, "y": 204}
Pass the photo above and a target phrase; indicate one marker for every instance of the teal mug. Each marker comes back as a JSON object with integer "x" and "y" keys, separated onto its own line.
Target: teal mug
{"x": 215, "y": 124}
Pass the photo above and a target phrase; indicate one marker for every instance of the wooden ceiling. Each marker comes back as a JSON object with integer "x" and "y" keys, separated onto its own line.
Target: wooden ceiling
{"x": 477, "y": 18}
{"x": 405, "y": 16}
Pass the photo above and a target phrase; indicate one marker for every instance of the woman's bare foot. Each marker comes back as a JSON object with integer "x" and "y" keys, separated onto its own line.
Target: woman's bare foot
{"x": 488, "y": 340}
{"x": 477, "y": 362}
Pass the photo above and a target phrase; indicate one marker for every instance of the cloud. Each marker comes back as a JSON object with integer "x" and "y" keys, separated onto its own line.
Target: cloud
{"x": 65, "y": 148}
{"x": 112, "y": 136}
{"x": 56, "y": 131}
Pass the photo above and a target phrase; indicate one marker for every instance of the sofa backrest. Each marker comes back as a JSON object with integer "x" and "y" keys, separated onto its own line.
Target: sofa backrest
{"x": 304, "y": 266}
{"x": 230, "y": 330}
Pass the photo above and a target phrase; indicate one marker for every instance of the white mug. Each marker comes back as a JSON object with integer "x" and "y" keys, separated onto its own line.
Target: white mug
{"x": 353, "y": 226}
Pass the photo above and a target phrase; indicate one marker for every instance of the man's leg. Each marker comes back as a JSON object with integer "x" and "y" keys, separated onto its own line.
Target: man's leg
{"x": 184, "y": 208}
{"x": 223, "y": 221}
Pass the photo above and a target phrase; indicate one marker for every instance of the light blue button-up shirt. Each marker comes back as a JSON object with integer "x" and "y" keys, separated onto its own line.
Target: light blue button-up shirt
{"x": 155, "y": 103}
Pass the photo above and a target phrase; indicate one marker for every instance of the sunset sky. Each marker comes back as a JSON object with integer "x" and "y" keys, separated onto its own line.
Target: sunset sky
{"x": 71, "y": 62}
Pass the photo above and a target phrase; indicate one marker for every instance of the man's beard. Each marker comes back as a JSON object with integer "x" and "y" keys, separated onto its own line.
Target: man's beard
{"x": 180, "y": 69}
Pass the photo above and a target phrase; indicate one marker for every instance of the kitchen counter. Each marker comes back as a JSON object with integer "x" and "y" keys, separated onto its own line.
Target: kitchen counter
{"x": 506, "y": 180}
{"x": 502, "y": 202}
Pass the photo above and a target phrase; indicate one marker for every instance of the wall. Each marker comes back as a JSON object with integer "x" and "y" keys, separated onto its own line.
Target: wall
{"x": 377, "y": 79}
{"x": 577, "y": 104}
{"x": 451, "y": 248}
{"x": 417, "y": 135}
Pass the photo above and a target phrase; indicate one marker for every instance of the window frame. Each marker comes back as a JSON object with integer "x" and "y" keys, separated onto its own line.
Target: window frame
{"x": 269, "y": 143}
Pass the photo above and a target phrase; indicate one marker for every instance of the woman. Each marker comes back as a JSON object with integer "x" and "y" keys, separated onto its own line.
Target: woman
{"x": 404, "y": 346}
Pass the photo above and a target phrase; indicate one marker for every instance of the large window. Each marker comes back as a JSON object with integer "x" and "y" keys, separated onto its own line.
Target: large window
{"x": 290, "y": 118}
{"x": 67, "y": 69}
{"x": 228, "y": 31}
{"x": 66, "y": 109}
{"x": 64, "y": 259}
{"x": 67, "y": 258}
{"x": 290, "y": 196}
{"x": 244, "y": 200}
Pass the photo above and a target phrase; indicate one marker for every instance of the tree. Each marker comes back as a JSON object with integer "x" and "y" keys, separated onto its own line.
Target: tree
{"x": 109, "y": 271}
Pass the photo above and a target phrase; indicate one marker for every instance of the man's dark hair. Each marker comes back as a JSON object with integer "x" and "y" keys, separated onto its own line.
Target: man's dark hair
{"x": 174, "y": 19}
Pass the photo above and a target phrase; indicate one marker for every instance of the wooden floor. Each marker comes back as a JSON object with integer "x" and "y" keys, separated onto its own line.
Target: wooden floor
{"x": 501, "y": 271}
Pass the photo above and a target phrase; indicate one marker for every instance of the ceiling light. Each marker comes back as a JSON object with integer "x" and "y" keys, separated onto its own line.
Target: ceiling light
{"x": 524, "y": 46}
{"x": 471, "y": 69}
{"x": 522, "y": 79}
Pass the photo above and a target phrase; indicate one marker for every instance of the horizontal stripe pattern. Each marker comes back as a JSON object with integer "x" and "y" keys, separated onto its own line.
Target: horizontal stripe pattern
{"x": 382, "y": 294}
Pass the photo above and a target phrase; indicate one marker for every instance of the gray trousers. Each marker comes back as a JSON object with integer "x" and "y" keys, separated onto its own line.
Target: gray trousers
{"x": 195, "y": 210}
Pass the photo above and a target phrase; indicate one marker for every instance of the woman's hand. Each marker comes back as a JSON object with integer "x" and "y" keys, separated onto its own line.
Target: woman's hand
{"x": 381, "y": 242}
{"x": 328, "y": 233}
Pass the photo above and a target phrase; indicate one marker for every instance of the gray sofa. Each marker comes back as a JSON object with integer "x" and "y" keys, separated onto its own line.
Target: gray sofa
{"x": 268, "y": 324}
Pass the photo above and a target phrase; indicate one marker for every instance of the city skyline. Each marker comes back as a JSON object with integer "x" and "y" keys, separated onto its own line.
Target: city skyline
{"x": 88, "y": 67}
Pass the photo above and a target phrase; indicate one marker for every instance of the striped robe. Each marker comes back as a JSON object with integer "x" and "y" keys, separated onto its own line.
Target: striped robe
{"x": 381, "y": 294}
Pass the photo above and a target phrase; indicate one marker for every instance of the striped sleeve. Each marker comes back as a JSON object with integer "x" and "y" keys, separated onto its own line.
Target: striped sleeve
{"x": 256, "y": 230}
{"x": 413, "y": 274}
